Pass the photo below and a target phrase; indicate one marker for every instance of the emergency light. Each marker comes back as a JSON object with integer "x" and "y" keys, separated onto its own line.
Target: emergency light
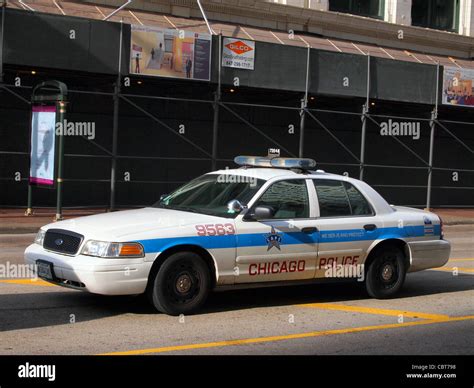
{"x": 260, "y": 161}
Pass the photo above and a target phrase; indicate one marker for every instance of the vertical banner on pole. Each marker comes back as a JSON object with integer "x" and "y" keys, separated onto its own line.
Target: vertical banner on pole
{"x": 46, "y": 141}
{"x": 43, "y": 146}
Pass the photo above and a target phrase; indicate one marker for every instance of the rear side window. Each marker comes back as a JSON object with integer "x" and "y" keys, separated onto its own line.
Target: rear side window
{"x": 339, "y": 199}
{"x": 359, "y": 205}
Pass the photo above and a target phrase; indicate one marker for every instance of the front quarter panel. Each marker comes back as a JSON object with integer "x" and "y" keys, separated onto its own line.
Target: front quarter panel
{"x": 221, "y": 246}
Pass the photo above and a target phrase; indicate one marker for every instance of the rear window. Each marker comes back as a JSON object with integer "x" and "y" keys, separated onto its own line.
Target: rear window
{"x": 339, "y": 199}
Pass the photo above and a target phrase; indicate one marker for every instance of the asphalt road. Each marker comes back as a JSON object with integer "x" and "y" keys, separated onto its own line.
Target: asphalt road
{"x": 434, "y": 314}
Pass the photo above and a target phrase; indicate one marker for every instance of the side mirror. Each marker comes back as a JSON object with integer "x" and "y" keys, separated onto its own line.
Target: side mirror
{"x": 260, "y": 213}
{"x": 163, "y": 196}
{"x": 235, "y": 206}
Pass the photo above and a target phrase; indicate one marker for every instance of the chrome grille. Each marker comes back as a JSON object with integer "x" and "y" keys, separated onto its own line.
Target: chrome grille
{"x": 62, "y": 241}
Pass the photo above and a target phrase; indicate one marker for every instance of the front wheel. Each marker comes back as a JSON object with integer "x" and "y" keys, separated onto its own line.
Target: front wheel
{"x": 181, "y": 285}
{"x": 386, "y": 273}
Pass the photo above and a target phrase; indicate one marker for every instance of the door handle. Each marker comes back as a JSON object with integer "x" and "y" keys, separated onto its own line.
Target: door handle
{"x": 370, "y": 227}
{"x": 309, "y": 229}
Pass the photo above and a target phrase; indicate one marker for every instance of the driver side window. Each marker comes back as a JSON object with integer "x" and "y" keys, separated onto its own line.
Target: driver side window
{"x": 288, "y": 198}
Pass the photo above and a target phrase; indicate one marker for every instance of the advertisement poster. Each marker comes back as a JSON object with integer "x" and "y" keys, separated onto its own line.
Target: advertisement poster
{"x": 43, "y": 139}
{"x": 170, "y": 53}
{"x": 238, "y": 53}
{"x": 458, "y": 86}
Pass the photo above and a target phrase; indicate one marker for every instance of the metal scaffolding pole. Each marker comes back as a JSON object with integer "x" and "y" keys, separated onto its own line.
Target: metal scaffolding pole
{"x": 59, "y": 191}
{"x": 430, "y": 159}
{"x": 434, "y": 117}
{"x": 117, "y": 87}
{"x": 211, "y": 31}
{"x": 304, "y": 105}
{"x": 217, "y": 99}
{"x": 4, "y": 5}
{"x": 365, "y": 111}
{"x": 117, "y": 10}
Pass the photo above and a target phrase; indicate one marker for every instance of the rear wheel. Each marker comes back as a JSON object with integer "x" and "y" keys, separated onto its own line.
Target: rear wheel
{"x": 386, "y": 273}
{"x": 181, "y": 285}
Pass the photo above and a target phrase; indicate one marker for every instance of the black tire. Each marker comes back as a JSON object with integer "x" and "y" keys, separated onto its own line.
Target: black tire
{"x": 181, "y": 285}
{"x": 386, "y": 273}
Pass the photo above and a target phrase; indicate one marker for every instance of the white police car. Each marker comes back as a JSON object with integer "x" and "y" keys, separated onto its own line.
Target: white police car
{"x": 271, "y": 221}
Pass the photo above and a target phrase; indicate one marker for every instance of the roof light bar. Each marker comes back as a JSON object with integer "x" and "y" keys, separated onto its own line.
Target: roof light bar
{"x": 261, "y": 161}
{"x": 304, "y": 164}
{"x": 254, "y": 161}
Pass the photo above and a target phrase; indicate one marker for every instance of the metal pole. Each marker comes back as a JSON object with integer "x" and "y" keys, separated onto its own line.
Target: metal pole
{"x": 61, "y": 107}
{"x": 365, "y": 111}
{"x": 211, "y": 31}
{"x": 217, "y": 98}
{"x": 430, "y": 159}
{"x": 117, "y": 87}
{"x": 434, "y": 117}
{"x": 302, "y": 125}
{"x": 4, "y": 5}
{"x": 117, "y": 10}
{"x": 304, "y": 105}
{"x": 29, "y": 209}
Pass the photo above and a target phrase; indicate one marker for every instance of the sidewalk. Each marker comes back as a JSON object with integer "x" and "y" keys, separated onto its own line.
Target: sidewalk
{"x": 456, "y": 216}
{"x": 13, "y": 221}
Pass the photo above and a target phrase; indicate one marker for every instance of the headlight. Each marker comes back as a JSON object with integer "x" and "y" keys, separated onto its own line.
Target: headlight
{"x": 111, "y": 249}
{"x": 39, "y": 238}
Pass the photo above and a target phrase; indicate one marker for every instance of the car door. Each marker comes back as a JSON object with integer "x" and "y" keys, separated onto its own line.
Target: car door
{"x": 283, "y": 247}
{"x": 347, "y": 226}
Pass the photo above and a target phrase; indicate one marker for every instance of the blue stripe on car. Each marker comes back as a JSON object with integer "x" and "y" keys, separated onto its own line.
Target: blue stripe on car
{"x": 291, "y": 238}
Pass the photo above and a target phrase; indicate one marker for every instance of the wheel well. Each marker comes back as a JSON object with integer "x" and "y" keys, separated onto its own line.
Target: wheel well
{"x": 205, "y": 255}
{"x": 389, "y": 242}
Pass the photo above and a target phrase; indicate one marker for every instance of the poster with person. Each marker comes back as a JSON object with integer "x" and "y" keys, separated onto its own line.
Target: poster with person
{"x": 170, "y": 53}
{"x": 43, "y": 141}
{"x": 458, "y": 86}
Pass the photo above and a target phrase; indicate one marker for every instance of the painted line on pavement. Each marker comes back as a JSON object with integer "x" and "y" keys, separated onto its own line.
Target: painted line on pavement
{"x": 29, "y": 282}
{"x": 249, "y": 341}
{"x": 451, "y": 269}
{"x": 375, "y": 311}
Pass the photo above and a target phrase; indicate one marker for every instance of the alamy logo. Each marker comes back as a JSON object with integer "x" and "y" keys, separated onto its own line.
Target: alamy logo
{"x": 233, "y": 178}
{"x": 37, "y": 371}
{"x": 76, "y": 128}
{"x": 400, "y": 128}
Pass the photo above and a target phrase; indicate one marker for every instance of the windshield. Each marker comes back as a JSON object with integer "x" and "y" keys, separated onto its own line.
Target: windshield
{"x": 210, "y": 194}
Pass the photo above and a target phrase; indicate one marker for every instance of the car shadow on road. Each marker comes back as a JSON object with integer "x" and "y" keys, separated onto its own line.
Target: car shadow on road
{"x": 416, "y": 285}
{"x": 42, "y": 309}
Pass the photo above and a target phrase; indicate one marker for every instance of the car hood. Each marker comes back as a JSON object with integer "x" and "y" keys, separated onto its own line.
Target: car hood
{"x": 130, "y": 224}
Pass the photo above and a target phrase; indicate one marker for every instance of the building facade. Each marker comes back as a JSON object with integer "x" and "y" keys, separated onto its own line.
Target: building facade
{"x": 375, "y": 96}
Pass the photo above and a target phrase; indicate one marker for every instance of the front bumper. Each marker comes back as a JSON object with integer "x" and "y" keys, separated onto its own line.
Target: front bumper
{"x": 94, "y": 274}
{"x": 428, "y": 254}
